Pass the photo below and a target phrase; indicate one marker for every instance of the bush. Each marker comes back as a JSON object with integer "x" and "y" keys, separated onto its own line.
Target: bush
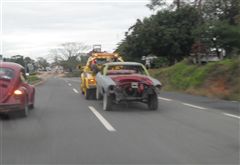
{"x": 75, "y": 73}
{"x": 219, "y": 79}
{"x": 32, "y": 79}
{"x": 160, "y": 62}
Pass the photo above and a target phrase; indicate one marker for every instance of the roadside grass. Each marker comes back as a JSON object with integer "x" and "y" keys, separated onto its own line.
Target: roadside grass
{"x": 215, "y": 79}
{"x": 75, "y": 73}
{"x": 32, "y": 79}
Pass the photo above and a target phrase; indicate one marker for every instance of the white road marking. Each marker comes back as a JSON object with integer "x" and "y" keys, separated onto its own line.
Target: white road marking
{"x": 165, "y": 99}
{"x": 228, "y": 114}
{"x": 69, "y": 84}
{"x": 75, "y": 90}
{"x": 106, "y": 124}
{"x": 75, "y": 80}
{"x": 193, "y": 106}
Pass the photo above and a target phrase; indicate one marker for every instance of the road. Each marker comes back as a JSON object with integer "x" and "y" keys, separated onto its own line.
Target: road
{"x": 64, "y": 128}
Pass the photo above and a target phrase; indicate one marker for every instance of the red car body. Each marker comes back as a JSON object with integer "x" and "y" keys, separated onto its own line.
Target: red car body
{"x": 15, "y": 93}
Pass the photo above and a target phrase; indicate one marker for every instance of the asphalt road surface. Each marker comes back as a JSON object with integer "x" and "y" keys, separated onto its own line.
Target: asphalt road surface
{"x": 64, "y": 128}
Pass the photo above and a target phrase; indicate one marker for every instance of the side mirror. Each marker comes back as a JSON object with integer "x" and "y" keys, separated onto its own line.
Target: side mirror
{"x": 79, "y": 67}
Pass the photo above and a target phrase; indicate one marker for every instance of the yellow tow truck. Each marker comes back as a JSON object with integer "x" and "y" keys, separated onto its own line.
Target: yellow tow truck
{"x": 93, "y": 65}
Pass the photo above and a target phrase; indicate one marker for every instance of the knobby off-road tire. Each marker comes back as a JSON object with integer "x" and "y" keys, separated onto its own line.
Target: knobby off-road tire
{"x": 107, "y": 102}
{"x": 98, "y": 94}
{"x": 153, "y": 102}
{"x": 87, "y": 94}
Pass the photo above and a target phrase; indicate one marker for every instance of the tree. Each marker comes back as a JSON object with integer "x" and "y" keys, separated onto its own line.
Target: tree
{"x": 221, "y": 21}
{"x": 28, "y": 60}
{"x": 177, "y": 28}
{"x": 68, "y": 54}
{"x": 154, "y": 4}
{"x": 164, "y": 4}
{"x": 18, "y": 59}
{"x": 42, "y": 62}
{"x": 223, "y": 10}
{"x": 167, "y": 34}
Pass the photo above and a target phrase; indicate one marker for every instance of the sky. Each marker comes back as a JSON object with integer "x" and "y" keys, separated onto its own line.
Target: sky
{"x": 33, "y": 27}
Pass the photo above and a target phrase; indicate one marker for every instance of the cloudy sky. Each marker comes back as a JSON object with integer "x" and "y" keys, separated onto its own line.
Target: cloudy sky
{"x": 32, "y": 27}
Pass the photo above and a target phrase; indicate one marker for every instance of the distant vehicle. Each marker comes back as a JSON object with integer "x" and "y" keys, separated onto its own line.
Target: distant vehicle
{"x": 93, "y": 65}
{"x": 48, "y": 69}
{"x": 126, "y": 81}
{"x": 16, "y": 94}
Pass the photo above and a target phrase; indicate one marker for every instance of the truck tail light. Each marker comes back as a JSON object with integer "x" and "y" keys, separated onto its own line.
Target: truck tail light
{"x": 91, "y": 81}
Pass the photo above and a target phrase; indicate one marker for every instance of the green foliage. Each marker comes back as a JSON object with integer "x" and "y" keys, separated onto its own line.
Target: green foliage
{"x": 160, "y": 62}
{"x": 173, "y": 30}
{"x": 222, "y": 10}
{"x": 167, "y": 34}
{"x": 183, "y": 76}
{"x": 42, "y": 62}
{"x": 32, "y": 79}
{"x": 68, "y": 55}
{"x": 229, "y": 35}
{"x": 17, "y": 59}
{"x": 199, "y": 78}
{"x": 74, "y": 73}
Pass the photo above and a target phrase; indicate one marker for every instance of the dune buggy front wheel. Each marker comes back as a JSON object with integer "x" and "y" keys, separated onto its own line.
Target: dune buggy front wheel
{"x": 107, "y": 102}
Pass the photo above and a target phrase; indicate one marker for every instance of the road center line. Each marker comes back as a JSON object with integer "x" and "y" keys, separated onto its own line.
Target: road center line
{"x": 106, "y": 124}
{"x": 193, "y": 106}
{"x": 165, "y": 99}
{"x": 230, "y": 115}
{"x": 75, "y": 90}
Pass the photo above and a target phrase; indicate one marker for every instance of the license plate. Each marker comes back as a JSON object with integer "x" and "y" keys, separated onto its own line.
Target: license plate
{"x": 134, "y": 85}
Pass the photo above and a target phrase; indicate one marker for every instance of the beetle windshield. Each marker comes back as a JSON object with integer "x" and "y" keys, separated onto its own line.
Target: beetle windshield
{"x": 6, "y": 73}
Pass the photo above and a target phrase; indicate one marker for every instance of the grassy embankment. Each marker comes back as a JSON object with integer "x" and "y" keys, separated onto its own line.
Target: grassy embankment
{"x": 215, "y": 79}
{"x": 33, "y": 79}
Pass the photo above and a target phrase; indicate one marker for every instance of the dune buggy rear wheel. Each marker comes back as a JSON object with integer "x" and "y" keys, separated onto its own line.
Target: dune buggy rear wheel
{"x": 153, "y": 102}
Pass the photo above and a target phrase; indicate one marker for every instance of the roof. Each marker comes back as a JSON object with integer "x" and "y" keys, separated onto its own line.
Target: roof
{"x": 11, "y": 65}
{"x": 104, "y": 54}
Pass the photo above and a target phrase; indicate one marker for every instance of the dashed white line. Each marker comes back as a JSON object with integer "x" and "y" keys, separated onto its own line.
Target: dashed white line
{"x": 193, "y": 106}
{"x": 230, "y": 115}
{"x": 75, "y": 90}
{"x": 106, "y": 124}
{"x": 69, "y": 84}
{"x": 165, "y": 99}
